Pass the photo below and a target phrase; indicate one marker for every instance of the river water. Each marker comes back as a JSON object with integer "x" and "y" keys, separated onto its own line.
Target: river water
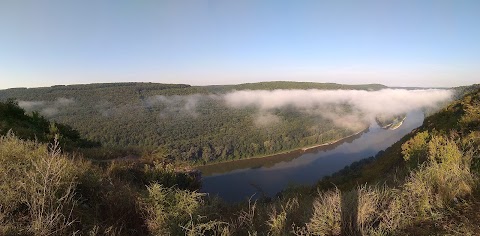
{"x": 238, "y": 180}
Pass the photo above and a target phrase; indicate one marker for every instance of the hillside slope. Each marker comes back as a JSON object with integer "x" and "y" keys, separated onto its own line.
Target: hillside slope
{"x": 459, "y": 118}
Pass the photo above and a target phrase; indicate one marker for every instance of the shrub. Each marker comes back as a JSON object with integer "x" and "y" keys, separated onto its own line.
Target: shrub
{"x": 414, "y": 150}
{"x": 167, "y": 209}
{"x": 446, "y": 175}
{"x": 445, "y": 151}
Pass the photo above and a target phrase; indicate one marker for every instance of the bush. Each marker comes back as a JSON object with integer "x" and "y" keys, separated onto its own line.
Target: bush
{"x": 444, "y": 177}
{"x": 167, "y": 209}
{"x": 414, "y": 150}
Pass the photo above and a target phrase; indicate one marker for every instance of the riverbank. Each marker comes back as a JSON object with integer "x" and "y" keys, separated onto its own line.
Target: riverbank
{"x": 332, "y": 142}
{"x": 302, "y": 149}
{"x": 234, "y": 181}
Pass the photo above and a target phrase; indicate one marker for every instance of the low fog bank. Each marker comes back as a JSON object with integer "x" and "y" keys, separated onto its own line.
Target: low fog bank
{"x": 347, "y": 108}
{"x": 186, "y": 104}
{"x": 353, "y": 109}
{"x": 387, "y": 101}
{"x": 46, "y": 108}
{"x": 344, "y": 107}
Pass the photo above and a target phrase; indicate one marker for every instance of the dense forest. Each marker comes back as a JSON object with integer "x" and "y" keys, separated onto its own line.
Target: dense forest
{"x": 181, "y": 122}
{"x": 424, "y": 184}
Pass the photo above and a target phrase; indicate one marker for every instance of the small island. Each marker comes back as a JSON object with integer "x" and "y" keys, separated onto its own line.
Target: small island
{"x": 390, "y": 122}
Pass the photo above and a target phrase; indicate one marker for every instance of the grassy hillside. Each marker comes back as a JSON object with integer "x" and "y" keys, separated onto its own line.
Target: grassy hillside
{"x": 48, "y": 191}
{"x": 193, "y": 128}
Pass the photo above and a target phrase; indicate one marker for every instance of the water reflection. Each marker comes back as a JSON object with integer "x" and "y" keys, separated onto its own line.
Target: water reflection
{"x": 270, "y": 161}
{"x": 234, "y": 181}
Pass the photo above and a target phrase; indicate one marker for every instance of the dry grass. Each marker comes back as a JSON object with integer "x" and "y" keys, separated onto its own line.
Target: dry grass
{"x": 326, "y": 219}
{"x": 167, "y": 209}
{"x": 213, "y": 228}
{"x": 42, "y": 189}
{"x": 277, "y": 222}
{"x": 442, "y": 179}
{"x": 51, "y": 194}
{"x": 246, "y": 218}
{"x": 38, "y": 187}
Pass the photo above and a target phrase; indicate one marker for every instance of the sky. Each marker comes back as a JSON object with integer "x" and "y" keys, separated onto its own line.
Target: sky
{"x": 199, "y": 42}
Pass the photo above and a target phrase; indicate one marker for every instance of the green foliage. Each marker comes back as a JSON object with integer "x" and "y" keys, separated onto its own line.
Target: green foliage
{"x": 443, "y": 150}
{"x": 471, "y": 118}
{"x": 301, "y": 85}
{"x": 137, "y": 173}
{"x": 414, "y": 150}
{"x": 36, "y": 127}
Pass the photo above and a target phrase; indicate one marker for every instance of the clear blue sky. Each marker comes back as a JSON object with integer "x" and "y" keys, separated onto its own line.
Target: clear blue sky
{"x": 397, "y": 43}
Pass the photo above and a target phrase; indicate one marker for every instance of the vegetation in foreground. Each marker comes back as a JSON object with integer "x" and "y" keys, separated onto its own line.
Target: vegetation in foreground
{"x": 47, "y": 192}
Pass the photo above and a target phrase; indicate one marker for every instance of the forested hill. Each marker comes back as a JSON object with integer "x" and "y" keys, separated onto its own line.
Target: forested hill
{"x": 160, "y": 117}
{"x": 35, "y": 127}
{"x": 294, "y": 85}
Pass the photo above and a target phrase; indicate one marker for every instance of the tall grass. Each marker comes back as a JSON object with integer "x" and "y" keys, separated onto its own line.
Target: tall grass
{"x": 45, "y": 192}
{"x": 326, "y": 219}
{"x": 444, "y": 177}
{"x": 38, "y": 187}
{"x": 277, "y": 221}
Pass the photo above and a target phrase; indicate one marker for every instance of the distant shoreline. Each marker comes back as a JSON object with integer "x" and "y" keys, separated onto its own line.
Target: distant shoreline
{"x": 331, "y": 142}
{"x": 303, "y": 149}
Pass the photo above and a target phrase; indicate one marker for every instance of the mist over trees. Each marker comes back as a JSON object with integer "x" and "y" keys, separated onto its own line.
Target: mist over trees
{"x": 211, "y": 123}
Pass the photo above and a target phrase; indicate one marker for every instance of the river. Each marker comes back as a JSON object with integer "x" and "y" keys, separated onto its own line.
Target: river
{"x": 238, "y": 180}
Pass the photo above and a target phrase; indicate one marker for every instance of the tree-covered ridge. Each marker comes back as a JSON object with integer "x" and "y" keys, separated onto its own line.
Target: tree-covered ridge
{"x": 35, "y": 127}
{"x": 130, "y": 115}
{"x": 298, "y": 85}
